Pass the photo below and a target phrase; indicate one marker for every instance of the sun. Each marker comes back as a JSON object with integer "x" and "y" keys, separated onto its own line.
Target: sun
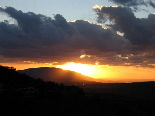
{"x": 95, "y": 71}
{"x": 84, "y": 69}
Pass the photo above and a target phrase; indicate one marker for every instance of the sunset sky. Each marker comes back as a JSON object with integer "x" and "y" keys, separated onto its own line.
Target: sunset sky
{"x": 105, "y": 39}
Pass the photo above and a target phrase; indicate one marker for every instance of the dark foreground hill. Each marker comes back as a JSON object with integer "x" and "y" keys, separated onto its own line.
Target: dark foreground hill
{"x": 14, "y": 82}
{"x": 19, "y": 98}
{"x": 58, "y": 75}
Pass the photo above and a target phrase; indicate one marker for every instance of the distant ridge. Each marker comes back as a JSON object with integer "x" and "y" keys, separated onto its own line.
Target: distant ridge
{"x": 58, "y": 75}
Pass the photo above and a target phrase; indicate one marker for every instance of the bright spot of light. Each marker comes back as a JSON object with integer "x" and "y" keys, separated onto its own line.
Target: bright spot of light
{"x": 97, "y": 7}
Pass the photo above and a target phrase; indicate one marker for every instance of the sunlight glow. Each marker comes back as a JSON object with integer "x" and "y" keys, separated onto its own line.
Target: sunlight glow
{"x": 104, "y": 73}
{"x": 97, "y": 7}
{"x": 115, "y": 6}
{"x": 82, "y": 56}
{"x": 120, "y": 33}
{"x": 80, "y": 68}
{"x": 94, "y": 71}
{"x": 111, "y": 73}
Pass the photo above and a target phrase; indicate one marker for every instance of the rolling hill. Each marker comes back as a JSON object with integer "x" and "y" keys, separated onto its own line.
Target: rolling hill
{"x": 58, "y": 75}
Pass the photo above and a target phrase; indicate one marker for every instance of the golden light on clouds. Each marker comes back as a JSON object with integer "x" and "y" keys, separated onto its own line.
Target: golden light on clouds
{"x": 119, "y": 33}
{"x": 96, "y": 7}
{"x": 82, "y": 56}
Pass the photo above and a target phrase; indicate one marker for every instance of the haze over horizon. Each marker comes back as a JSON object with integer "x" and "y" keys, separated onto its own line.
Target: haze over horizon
{"x": 110, "y": 39}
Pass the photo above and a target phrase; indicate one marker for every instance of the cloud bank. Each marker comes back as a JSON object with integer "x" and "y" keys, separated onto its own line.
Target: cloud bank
{"x": 38, "y": 38}
{"x": 138, "y": 31}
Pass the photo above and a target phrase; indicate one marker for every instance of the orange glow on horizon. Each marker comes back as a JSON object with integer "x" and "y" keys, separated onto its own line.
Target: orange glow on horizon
{"x": 113, "y": 73}
{"x": 103, "y": 72}
{"x": 85, "y": 69}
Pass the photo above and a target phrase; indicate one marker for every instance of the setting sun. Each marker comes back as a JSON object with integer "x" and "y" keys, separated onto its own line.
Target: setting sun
{"x": 95, "y": 71}
{"x": 80, "y": 68}
{"x": 113, "y": 73}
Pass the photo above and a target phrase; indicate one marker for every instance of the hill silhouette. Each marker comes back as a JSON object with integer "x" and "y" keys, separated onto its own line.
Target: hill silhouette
{"x": 12, "y": 79}
{"x": 58, "y": 75}
{"x": 18, "y": 85}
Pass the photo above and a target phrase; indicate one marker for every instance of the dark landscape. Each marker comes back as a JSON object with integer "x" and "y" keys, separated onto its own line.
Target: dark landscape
{"x": 22, "y": 95}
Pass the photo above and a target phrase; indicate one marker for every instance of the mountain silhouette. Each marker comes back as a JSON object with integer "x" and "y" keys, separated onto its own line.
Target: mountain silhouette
{"x": 58, "y": 75}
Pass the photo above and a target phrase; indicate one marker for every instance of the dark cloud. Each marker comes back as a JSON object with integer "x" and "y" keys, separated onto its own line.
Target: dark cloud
{"x": 39, "y": 26}
{"x": 134, "y": 3}
{"x": 140, "y": 33}
{"x": 96, "y": 37}
{"x": 137, "y": 31}
{"x": 27, "y": 21}
{"x": 38, "y": 38}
